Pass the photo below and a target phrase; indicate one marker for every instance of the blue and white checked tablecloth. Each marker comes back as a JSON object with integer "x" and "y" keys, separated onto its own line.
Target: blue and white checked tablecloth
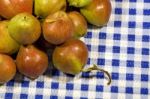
{"x": 122, "y": 48}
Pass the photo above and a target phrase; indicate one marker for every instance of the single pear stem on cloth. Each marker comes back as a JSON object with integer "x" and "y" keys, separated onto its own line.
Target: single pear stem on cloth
{"x": 95, "y": 67}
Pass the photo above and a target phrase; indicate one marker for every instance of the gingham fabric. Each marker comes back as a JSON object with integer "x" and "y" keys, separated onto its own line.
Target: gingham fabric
{"x": 122, "y": 48}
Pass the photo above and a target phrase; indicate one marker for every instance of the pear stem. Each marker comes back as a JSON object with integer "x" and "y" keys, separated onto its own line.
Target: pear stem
{"x": 95, "y": 67}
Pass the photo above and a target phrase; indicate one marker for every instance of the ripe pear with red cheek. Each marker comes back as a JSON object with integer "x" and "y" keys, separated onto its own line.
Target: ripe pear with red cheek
{"x": 80, "y": 24}
{"x": 43, "y": 8}
{"x": 7, "y": 68}
{"x": 31, "y": 61}
{"x": 70, "y": 57}
{"x": 24, "y": 28}
{"x": 57, "y": 28}
{"x": 97, "y": 12}
{"x": 10, "y": 8}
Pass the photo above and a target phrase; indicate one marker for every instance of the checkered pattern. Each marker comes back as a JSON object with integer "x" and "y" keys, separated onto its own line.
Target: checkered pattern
{"x": 122, "y": 48}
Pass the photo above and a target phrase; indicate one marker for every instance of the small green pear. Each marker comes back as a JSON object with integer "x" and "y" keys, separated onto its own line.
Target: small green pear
{"x": 24, "y": 28}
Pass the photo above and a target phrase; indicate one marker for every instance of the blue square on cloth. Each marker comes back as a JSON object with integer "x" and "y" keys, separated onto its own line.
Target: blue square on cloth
{"x": 101, "y": 48}
{"x": 117, "y": 36}
{"x": 10, "y": 83}
{"x": 8, "y": 95}
{"x": 25, "y": 84}
{"x": 129, "y": 77}
{"x": 146, "y": 12}
{"x": 38, "y": 97}
{"x": 54, "y": 85}
{"x": 101, "y": 61}
{"x": 130, "y": 50}
{"x": 144, "y": 91}
{"x": 69, "y": 86}
{"x": 145, "y": 51}
{"x": 130, "y": 63}
{"x": 131, "y": 37}
{"x": 129, "y": 90}
{"x": 99, "y": 75}
{"x": 117, "y": 24}
{"x": 84, "y": 87}
{"x": 114, "y": 89}
{"x": 118, "y": 11}
{"x": 146, "y": 25}
{"x": 23, "y": 96}
{"x": 115, "y": 76}
{"x": 99, "y": 88}
{"x": 53, "y": 97}
{"x": 145, "y": 64}
{"x": 88, "y": 35}
{"x": 115, "y": 62}
{"x": 147, "y": 1}
{"x": 132, "y": 11}
{"x": 144, "y": 77}
{"x": 145, "y": 38}
{"x": 131, "y": 24}
{"x": 102, "y": 35}
{"x": 40, "y": 84}
{"x": 116, "y": 49}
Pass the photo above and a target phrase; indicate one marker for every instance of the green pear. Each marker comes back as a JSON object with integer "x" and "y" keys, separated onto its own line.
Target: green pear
{"x": 24, "y": 28}
{"x": 79, "y": 3}
{"x": 97, "y": 12}
{"x": 43, "y": 8}
{"x": 7, "y": 44}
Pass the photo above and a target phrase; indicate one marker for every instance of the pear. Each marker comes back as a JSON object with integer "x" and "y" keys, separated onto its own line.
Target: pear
{"x": 43, "y": 8}
{"x": 7, "y": 44}
{"x": 71, "y": 56}
{"x": 57, "y": 28}
{"x": 80, "y": 24}
{"x": 97, "y": 12}
{"x": 10, "y": 8}
{"x": 7, "y": 68}
{"x": 31, "y": 61}
{"x": 24, "y": 28}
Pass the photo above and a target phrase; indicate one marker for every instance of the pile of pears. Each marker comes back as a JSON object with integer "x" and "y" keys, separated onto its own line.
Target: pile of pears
{"x": 28, "y": 28}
